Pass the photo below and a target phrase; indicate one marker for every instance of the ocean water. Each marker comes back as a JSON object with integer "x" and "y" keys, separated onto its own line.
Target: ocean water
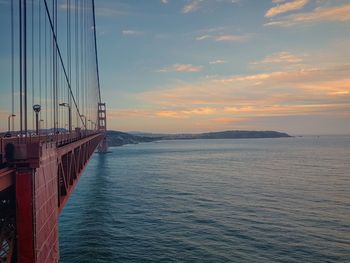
{"x": 255, "y": 200}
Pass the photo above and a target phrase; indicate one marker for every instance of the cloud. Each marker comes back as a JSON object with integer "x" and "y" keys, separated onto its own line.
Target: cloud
{"x": 223, "y": 38}
{"x": 230, "y": 38}
{"x": 218, "y": 61}
{"x": 286, "y": 7}
{"x": 188, "y": 113}
{"x": 182, "y": 68}
{"x": 239, "y": 101}
{"x": 203, "y": 37}
{"x": 279, "y": 57}
{"x": 132, "y": 33}
{"x": 164, "y": 1}
{"x": 193, "y": 6}
{"x": 320, "y": 14}
{"x": 183, "y": 113}
{"x": 265, "y": 94}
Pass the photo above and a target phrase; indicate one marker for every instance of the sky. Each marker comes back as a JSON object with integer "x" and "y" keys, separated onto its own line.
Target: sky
{"x": 175, "y": 66}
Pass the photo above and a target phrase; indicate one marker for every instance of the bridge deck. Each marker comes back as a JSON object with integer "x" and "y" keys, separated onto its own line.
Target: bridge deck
{"x": 39, "y": 174}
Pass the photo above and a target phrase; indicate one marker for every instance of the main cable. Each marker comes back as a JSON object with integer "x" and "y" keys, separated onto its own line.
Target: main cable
{"x": 96, "y": 56}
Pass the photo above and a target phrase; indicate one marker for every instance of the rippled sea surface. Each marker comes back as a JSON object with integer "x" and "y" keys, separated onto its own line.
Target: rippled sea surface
{"x": 256, "y": 200}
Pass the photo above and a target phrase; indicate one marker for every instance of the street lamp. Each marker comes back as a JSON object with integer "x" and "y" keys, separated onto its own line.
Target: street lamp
{"x": 9, "y": 121}
{"x": 37, "y": 109}
{"x": 64, "y": 104}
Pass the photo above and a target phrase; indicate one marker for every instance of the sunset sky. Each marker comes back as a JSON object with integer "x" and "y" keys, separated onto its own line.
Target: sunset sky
{"x": 209, "y": 65}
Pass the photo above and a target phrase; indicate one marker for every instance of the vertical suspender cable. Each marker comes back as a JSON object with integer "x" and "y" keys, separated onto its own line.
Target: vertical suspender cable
{"x": 55, "y": 69}
{"x": 46, "y": 108}
{"x": 25, "y": 66}
{"x": 54, "y": 74}
{"x": 77, "y": 92}
{"x": 12, "y": 68}
{"x": 33, "y": 65}
{"x": 20, "y": 69}
{"x": 82, "y": 58}
{"x": 40, "y": 57}
{"x": 59, "y": 56}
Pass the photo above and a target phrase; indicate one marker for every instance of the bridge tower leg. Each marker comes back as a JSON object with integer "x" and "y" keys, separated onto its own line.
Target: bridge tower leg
{"x": 36, "y": 206}
{"x": 24, "y": 207}
{"x": 102, "y": 127}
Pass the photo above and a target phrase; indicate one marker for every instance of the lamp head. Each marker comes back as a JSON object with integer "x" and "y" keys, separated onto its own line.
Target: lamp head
{"x": 36, "y": 108}
{"x": 64, "y": 104}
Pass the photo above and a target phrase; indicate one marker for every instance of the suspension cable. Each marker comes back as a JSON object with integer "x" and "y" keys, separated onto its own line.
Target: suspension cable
{"x": 61, "y": 59}
{"x": 96, "y": 56}
{"x": 12, "y": 68}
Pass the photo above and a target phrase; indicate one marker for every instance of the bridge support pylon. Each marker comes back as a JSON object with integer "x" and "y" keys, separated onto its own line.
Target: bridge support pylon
{"x": 36, "y": 205}
{"x": 102, "y": 127}
{"x": 39, "y": 178}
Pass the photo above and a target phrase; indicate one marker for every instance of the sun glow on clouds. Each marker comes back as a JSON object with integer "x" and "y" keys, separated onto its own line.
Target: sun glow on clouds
{"x": 280, "y": 57}
{"x": 276, "y": 85}
{"x": 285, "y": 7}
{"x": 235, "y": 101}
{"x": 220, "y": 67}
{"x": 319, "y": 14}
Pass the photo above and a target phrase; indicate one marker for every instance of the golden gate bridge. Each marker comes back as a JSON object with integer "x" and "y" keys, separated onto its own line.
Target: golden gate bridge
{"x": 56, "y": 120}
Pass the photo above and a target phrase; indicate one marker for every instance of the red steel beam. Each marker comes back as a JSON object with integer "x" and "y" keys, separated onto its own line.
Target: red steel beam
{"x": 72, "y": 161}
{"x": 24, "y": 216}
{"x": 44, "y": 176}
{"x": 7, "y": 178}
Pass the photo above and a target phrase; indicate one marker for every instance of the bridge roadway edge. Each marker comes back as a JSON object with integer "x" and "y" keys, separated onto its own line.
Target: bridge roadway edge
{"x": 43, "y": 184}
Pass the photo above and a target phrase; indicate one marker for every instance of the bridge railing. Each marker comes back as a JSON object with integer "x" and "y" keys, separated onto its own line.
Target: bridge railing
{"x": 58, "y": 140}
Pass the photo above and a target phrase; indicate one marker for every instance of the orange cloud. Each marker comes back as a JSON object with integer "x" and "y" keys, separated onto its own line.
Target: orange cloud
{"x": 280, "y": 57}
{"x": 182, "y": 68}
{"x": 286, "y": 7}
{"x": 335, "y": 13}
{"x": 254, "y": 94}
{"x": 185, "y": 113}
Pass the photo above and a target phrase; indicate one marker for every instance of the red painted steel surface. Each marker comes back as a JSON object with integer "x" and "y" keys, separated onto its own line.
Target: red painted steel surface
{"x": 6, "y": 178}
{"x": 102, "y": 126}
{"x": 46, "y": 203}
{"x": 72, "y": 160}
{"x": 44, "y": 174}
{"x": 24, "y": 216}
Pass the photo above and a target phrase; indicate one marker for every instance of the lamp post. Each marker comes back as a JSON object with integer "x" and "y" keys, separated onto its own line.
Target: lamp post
{"x": 64, "y": 104}
{"x": 37, "y": 109}
{"x": 9, "y": 121}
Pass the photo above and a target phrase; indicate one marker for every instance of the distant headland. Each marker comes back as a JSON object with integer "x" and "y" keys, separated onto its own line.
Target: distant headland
{"x": 117, "y": 138}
